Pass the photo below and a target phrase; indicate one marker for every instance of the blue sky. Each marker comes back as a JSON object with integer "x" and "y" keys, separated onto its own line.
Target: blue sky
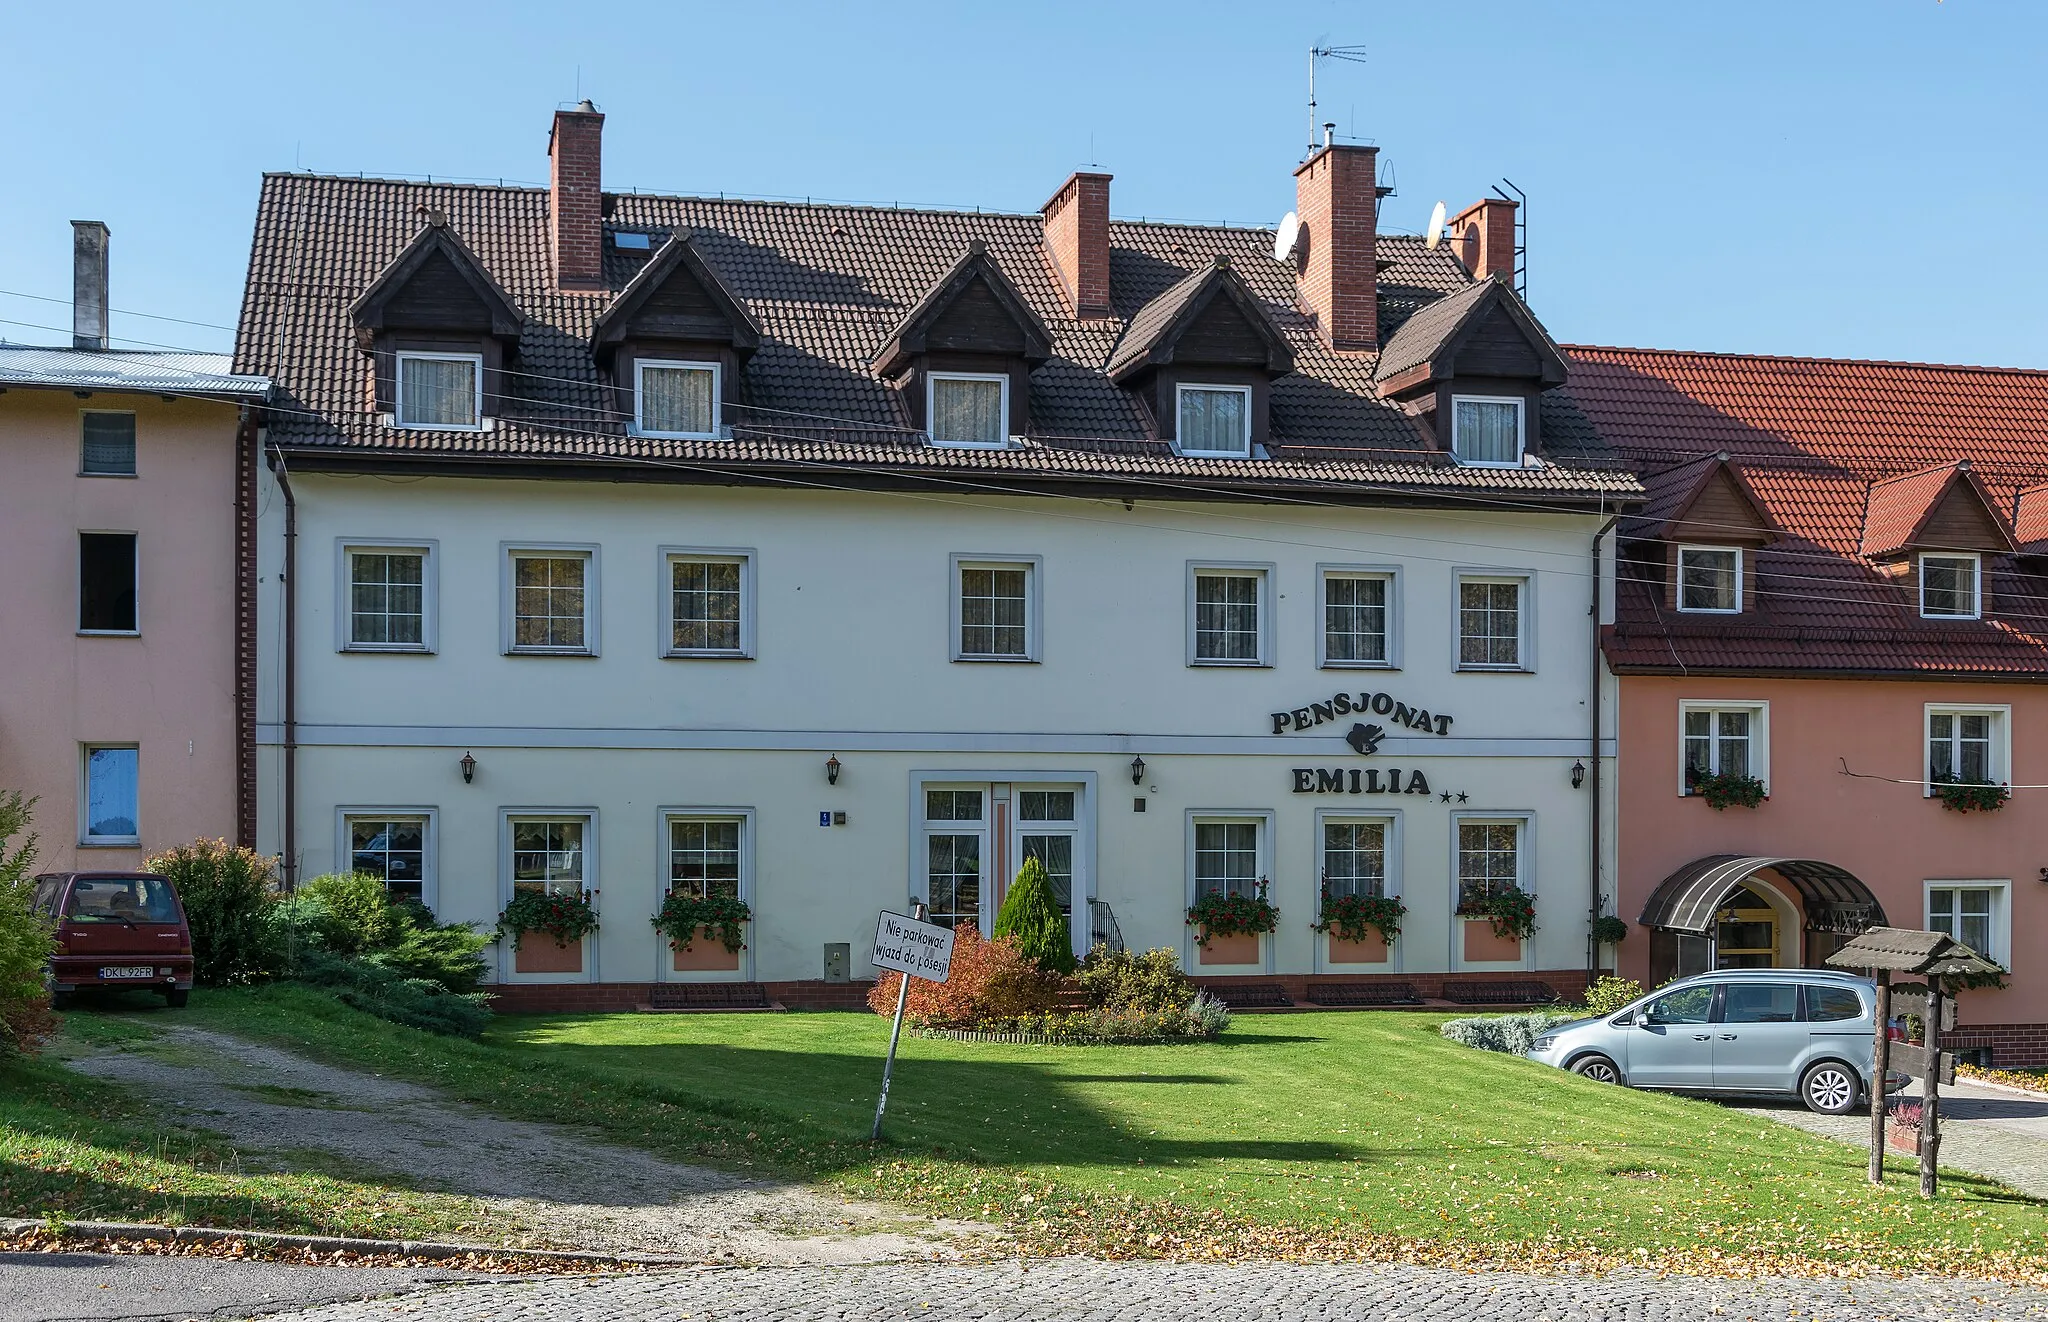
{"x": 1858, "y": 179}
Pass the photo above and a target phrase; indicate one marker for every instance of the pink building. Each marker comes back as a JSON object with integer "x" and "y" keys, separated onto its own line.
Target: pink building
{"x": 1836, "y": 597}
{"x": 122, "y": 489}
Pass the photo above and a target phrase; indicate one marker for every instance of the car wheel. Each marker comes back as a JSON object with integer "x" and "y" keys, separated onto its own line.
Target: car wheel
{"x": 1597, "y": 1068}
{"x": 1831, "y": 1088}
{"x": 60, "y": 1000}
{"x": 175, "y": 997}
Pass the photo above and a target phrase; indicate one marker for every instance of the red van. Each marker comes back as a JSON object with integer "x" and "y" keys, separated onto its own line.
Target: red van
{"x": 116, "y": 929}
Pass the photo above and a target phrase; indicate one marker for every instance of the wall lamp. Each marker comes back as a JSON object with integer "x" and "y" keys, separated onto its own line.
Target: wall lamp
{"x": 1578, "y": 774}
{"x": 468, "y": 765}
{"x": 1137, "y": 771}
{"x": 832, "y": 769}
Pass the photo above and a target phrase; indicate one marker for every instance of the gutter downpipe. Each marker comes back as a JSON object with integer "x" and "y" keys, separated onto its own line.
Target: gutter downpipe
{"x": 1594, "y": 668}
{"x": 290, "y": 576}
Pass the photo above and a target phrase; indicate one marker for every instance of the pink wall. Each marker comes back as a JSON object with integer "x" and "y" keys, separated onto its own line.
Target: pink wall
{"x": 171, "y": 691}
{"x": 1889, "y": 836}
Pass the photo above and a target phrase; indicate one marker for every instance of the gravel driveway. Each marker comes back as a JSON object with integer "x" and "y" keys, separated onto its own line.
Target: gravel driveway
{"x": 565, "y": 1189}
{"x": 2000, "y": 1133}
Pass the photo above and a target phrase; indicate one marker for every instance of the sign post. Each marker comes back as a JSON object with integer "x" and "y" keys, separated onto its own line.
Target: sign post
{"x": 915, "y": 949}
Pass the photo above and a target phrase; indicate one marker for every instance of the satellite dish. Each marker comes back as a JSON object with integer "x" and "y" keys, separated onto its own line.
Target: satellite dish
{"x": 1288, "y": 235}
{"x": 1435, "y": 234}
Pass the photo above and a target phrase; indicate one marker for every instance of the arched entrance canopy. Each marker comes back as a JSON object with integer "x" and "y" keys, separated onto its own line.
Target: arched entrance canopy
{"x": 1834, "y": 900}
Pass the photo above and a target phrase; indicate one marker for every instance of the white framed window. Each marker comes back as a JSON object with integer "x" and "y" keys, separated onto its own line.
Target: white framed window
{"x": 1049, "y": 830}
{"x": 954, "y": 832}
{"x": 439, "y": 391}
{"x": 1493, "y": 622}
{"x": 970, "y": 410}
{"x": 395, "y": 845}
{"x": 1971, "y": 743}
{"x": 106, "y": 443}
{"x": 707, "y": 602}
{"x": 1723, "y": 739}
{"x": 1358, "y": 855}
{"x": 677, "y": 399}
{"x": 1951, "y": 587}
{"x": 707, "y": 852}
{"x": 1228, "y": 852}
{"x": 1710, "y": 579}
{"x": 1490, "y": 854}
{"x": 110, "y": 788}
{"x": 1229, "y": 616}
{"x": 1213, "y": 421}
{"x": 550, "y": 851}
{"x": 386, "y": 596}
{"x": 995, "y": 608}
{"x": 1976, "y": 913}
{"x": 1358, "y": 621}
{"x": 550, "y": 600}
{"x": 109, "y": 573}
{"x": 1486, "y": 430}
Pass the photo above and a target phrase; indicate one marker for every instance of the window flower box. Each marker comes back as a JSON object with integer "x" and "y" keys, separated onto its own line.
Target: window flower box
{"x": 543, "y": 954}
{"x": 1484, "y": 946}
{"x": 1723, "y": 790}
{"x": 1968, "y": 796}
{"x": 547, "y": 930}
{"x": 1370, "y": 949}
{"x": 1217, "y": 916}
{"x": 705, "y": 954}
{"x": 1229, "y": 948}
{"x": 1361, "y": 927}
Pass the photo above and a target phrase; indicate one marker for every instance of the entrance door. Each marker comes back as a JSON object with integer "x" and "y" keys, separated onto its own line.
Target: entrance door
{"x": 1673, "y": 1046}
{"x": 1745, "y": 932}
{"x": 956, "y": 856}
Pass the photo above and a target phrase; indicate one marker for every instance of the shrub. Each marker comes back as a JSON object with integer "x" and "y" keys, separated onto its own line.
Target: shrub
{"x": 1354, "y": 917}
{"x": 449, "y": 955}
{"x": 1126, "y": 983}
{"x": 1609, "y": 930}
{"x": 25, "y": 945}
{"x": 1225, "y": 913}
{"x": 1029, "y": 915}
{"x": 683, "y": 913}
{"x": 1208, "y": 1016}
{"x": 562, "y": 916}
{"x": 227, "y": 891}
{"x": 1611, "y": 994}
{"x": 988, "y": 981}
{"x": 1511, "y": 912}
{"x": 352, "y": 911}
{"x": 387, "y": 993}
{"x": 1966, "y": 796}
{"x": 1514, "y": 1034}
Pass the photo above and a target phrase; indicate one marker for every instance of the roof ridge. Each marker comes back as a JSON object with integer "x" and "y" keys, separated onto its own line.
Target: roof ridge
{"x": 1804, "y": 358}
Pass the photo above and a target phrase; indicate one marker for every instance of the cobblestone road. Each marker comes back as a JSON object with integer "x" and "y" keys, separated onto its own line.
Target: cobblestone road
{"x": 1076, "y": 1290}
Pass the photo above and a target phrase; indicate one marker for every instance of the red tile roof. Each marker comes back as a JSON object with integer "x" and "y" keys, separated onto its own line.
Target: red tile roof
{"x": 1811, "y": 438}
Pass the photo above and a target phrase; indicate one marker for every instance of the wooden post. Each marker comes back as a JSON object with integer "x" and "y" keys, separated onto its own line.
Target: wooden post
{"x": 1881, "y": 1060}
{"x": 1930, "y": 1090}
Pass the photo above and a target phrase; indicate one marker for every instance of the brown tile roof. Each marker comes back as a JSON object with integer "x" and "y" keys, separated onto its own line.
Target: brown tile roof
{"x": 1811, "y": 438}
{"x": 827, "y": 285}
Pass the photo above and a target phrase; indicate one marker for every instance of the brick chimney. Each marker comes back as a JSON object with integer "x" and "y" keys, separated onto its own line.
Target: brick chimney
{"x": 88, "y": 284}
{"x": 1336, "y": 278}
{"x": 1483, "y": 237}
{"x": 1077, "y": 242}
{"x": 575, "y": 198}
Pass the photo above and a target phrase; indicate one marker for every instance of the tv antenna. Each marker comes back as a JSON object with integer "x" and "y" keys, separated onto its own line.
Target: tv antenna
{"x": 1349, "y": 54}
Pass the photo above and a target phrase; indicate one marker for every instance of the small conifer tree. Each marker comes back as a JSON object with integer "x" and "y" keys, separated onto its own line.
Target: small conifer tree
{"x": 1029, "y": 915}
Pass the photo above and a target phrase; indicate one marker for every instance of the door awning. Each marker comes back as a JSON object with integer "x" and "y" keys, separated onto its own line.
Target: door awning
{"x": 1834, "y": 900}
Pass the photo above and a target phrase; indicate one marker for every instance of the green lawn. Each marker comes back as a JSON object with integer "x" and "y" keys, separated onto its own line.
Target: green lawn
{"x": 1296, "y": 1134}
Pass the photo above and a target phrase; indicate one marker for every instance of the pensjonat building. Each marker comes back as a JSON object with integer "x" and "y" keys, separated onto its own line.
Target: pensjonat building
{"x": 838, "y": 557}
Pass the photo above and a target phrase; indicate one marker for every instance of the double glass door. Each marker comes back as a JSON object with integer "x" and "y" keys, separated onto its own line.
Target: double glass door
{"x": 977, "y": 836}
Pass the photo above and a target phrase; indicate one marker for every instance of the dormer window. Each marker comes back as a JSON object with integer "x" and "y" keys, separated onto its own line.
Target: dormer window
{"x": 1486, "y": 431}
{"x": 1214, "y": 420}
{"x": 970, "y": 410}
{"x": 675, "y": 399}
{"x": 1710, "y": 579}
{"x": 1949, "y": 587}
{"x": 440, "y": 391}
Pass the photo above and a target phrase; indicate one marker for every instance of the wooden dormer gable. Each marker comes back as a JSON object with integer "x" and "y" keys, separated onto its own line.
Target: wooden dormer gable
{"x": 1719, "y": 509}
{"x": 436, "y": 286}
{"x": 1944, "y": 508}
{"x": 972, "y": 312}
{"x": 677, "y": 296}
{"x": 1481, "y": 333}
{"x": 1209, "y": 319}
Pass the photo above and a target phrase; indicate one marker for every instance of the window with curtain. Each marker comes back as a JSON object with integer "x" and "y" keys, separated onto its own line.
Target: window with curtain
{"x": 954, "y": 833}
{"x": 678, "y": 400}
{"x": 1948, "y": 587}
{"x": 705, "y": 601}
{"x": 1961, "y": 746}
{"x": 1355, "y": 858}
{"x": 704, "y": 856}
{"x": 1486, "y": 431}
{"x": 1489, "y": 860}
{"x": 1046, "y": 831}
{"x": 548, "y": 602}
{"x": 1709, "y": 578}
{"x": 1490, "y": 623}
{"x": 387, "y": 604}
{"x": 439, "y": 390}
{"x": 547, "y": 855}
{"x": 106, "y": 444}
{"x": 1227, "y": 625}
{"x": 967, "y": 410}
{"x": 1215, "y": 420}
{"x": 995, "y": 603}
{"x": 1227, "y": 858}
{"x": 1720, "y": 742}
{"x": 112, "y": 788}
{"x": 1966, "y": 913}
{"x": 1354, "y": 619}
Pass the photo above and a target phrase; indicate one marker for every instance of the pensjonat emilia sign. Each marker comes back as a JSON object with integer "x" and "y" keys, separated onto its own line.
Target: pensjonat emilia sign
{"x": 1364, "y": 738}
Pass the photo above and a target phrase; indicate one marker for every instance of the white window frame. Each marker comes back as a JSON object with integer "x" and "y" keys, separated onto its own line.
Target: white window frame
{"x": 1679, "y": 598}
{"x": 1759, "y": 735}
{"x": 1078, "y": 829}
{"x": 134, "y": 455}
{"x": 666, "y": 816}
{"x": 1033, "y": 567}
{"x": 430, "y": 835}
{"x": 1976, "y": 611}
{"x": 1525, "y": 646}
{"x": 1390, "y": 818}
{"x": 509, "y": 817}
{"x": 78, "y": 587}
{"x": 87, "y": 840}
{"x": 344, "y": 595}
{"x": 664, "y": 615}
{"x": 2001, "y": 738}
{"x": 1263, "y": 818}
{"x": 1521, "y": 430}
{"x": 1391, "y": 575}
{"x": 717, "y": 370}
{"x": 923, "y": 827}
{"x": 1181, "y": 388}
{"x": 2001, "y": 912}
{"x": 398, "y": 390}
{"x": 1525, "y": 853}
{"x": 1265, "y": 572}
{"x": 508, "y": 601}
{"x": 989, "y": 781}
{"x": 931, "y": 380}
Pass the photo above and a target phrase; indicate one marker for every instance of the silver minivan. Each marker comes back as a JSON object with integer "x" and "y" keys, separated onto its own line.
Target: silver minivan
{"x": 1802, "y": 1033}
